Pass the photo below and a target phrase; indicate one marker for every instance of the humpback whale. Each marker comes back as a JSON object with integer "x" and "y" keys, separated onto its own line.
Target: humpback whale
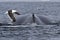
{"x": 27, "y": 18}
{"x": 20, "y": 19}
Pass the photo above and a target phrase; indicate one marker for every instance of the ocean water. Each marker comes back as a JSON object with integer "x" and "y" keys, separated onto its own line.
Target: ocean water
{"x": 49, "y": 9}
{"x": 30, "y": 32}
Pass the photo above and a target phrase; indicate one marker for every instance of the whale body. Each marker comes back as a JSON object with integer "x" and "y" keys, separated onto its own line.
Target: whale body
{"x": 29, "y": 18}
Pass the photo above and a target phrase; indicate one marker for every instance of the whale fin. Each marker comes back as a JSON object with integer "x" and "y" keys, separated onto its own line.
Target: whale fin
{"x": 33, "y": 18}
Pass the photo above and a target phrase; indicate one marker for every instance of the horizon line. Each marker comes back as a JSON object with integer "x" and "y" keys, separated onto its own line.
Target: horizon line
{"x": 29, "y": 1}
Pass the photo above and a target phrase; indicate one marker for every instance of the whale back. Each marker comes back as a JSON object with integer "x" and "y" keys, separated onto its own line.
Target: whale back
{"x": 22, "y": 19}
{"x": 28, "y": 19}
{"x": 45, "y": 19}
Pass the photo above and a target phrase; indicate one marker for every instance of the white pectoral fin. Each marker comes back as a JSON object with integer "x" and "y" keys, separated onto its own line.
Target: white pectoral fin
{"x": 14, "y": 11}
{"x": 6, "y": 12}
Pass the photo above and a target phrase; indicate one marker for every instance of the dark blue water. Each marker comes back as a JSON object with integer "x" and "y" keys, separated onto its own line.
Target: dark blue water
{"x": 30, "y": 32}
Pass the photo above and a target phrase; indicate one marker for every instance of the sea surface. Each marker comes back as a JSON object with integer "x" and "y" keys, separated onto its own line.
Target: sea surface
{"x": 30, "y": 32}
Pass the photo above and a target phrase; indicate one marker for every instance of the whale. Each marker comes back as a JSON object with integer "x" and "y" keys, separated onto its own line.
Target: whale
{"x": 23, "y": 19}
